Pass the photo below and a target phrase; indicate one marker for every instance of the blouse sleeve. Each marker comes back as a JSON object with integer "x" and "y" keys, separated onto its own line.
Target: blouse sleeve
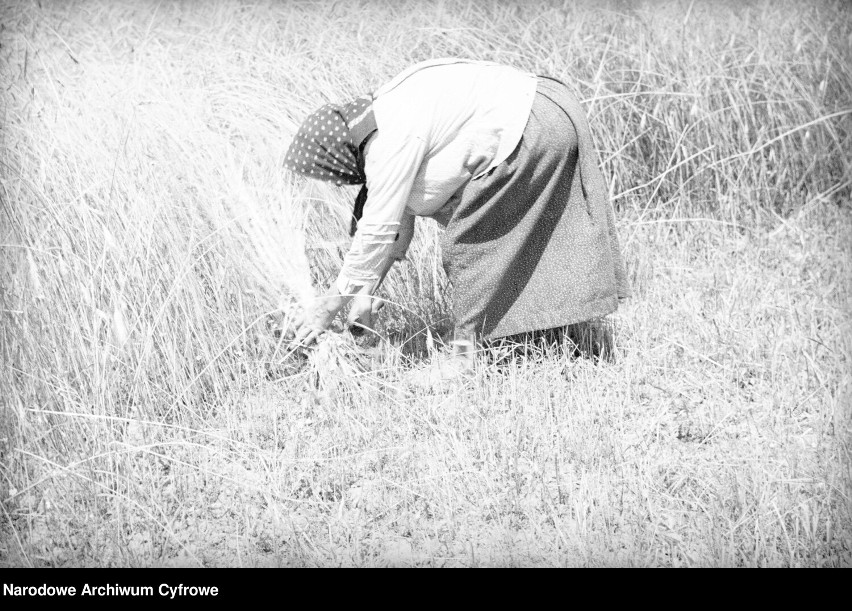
{"x": 391, "y": 165}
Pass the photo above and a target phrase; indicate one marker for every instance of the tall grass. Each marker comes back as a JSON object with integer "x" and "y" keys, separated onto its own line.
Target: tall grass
{"x": 149, "y": 232}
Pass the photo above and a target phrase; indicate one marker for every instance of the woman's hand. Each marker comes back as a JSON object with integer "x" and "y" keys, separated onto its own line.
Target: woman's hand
{"x": 363, "y": 312}
{"x": 318, "y": 317}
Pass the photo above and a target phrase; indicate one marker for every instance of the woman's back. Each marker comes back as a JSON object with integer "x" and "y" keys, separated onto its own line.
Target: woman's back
{"x": 439, "y": 101}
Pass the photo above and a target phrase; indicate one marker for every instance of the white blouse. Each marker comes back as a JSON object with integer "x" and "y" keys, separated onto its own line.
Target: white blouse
{"x": 440, "y": 124}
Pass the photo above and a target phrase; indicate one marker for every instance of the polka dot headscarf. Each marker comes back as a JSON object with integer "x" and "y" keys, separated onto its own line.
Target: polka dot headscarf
{"x": 329, "y": 146}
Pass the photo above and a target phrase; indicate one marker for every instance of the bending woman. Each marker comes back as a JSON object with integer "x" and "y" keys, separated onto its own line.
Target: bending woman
{"x": 504, "y": 161}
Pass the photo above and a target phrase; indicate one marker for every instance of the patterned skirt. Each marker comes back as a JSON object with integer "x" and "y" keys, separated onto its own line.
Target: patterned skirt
{"x": 532, "y": 244}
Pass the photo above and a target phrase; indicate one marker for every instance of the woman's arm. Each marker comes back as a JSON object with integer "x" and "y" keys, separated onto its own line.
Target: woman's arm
{"x": 392, "y": 161}
{"x": 364, "y": 307}
{"x": 320, "y": 316}
{"x": 326, "y": 307}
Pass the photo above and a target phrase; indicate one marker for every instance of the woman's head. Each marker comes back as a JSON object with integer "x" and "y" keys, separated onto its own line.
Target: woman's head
{"x": 328, "y": 145}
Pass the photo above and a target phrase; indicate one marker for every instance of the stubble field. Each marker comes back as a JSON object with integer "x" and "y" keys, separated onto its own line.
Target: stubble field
{"x": 151, "y": 417}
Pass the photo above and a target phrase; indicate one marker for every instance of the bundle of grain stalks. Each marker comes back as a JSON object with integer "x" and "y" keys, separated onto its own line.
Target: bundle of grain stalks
{"x": 278, "y": 235}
